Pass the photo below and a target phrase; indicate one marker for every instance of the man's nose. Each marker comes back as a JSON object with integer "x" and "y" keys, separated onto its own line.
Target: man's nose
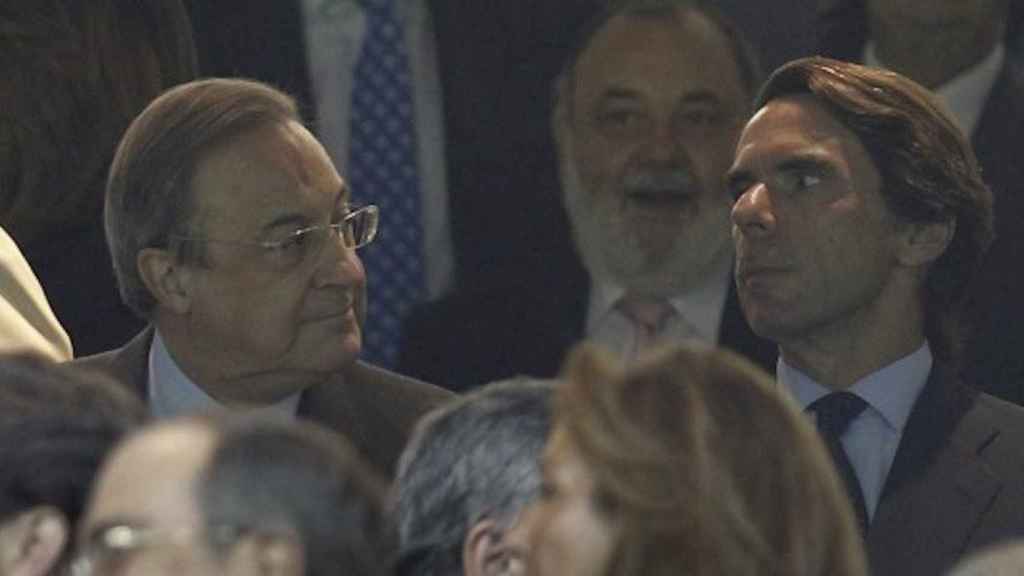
{"x": 753, "y": 212}
{"x": 339, "y": 265}
{"x": 663, "y": 144}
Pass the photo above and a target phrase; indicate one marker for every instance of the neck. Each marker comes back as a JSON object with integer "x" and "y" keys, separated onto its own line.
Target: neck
{"x": 932, "y": 56}
{"x": 231, "y": 380}
{"x": 842, "y": 353}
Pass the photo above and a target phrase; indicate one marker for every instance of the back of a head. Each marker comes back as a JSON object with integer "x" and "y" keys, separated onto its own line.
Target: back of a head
{"x": 474, "y": 458}
{"x": 303, "y": 481}
{"x": 56, "y": 426}
{"x": 708, "y": 469}
{"x": 77, "y": 73}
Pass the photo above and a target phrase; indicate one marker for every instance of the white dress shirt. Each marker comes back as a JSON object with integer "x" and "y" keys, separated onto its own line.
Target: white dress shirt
{"x": 334, "y": 32}
{"x": 171, "y": 393}
{"x": 698, "y": 313}
{"x": 873, "y": 437}
{"x": 965, "y": 95}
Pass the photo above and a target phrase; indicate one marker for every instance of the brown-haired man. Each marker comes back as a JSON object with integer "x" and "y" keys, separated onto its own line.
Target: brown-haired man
{"x": 233, "y": 234}
{"x": 860, "y": 219}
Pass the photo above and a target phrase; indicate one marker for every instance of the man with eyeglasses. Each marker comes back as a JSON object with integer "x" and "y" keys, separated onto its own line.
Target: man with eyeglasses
{"x": 233, "y": 496}
{"x": 233, "y": 234}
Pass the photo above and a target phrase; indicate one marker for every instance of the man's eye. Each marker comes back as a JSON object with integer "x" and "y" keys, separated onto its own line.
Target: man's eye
{"x": 295, "y": 241}
{"x": 700, "y": 117}
{"x": 618, "y": 121}
{"x": 797, "y": 181}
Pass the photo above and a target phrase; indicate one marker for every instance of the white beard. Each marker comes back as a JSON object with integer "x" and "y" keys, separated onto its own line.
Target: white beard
{"x": 655, "y": 260}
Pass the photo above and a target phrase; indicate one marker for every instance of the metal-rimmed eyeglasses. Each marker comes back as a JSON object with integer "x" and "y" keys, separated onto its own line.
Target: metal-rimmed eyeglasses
{"x": 356, "y": 229}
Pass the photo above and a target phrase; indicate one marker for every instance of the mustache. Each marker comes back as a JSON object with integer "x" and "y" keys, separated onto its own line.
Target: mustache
{"x": 674, "y": 179}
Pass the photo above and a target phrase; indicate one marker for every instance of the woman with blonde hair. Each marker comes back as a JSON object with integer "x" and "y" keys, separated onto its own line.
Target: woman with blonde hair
{"x": 690, "y": 462}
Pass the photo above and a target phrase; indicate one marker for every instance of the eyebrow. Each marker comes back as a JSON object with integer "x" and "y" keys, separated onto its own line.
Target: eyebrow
{"x": 799, "y": 161}
{"x": 298, "y": 219}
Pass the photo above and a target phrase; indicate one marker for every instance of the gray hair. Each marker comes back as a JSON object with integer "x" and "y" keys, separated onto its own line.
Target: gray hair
{"x": 474, "y": 458}
{"x": 149, "y": 191}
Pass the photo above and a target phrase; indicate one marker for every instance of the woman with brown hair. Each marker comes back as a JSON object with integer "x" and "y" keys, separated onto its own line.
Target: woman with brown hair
{"x": 690, "y": 462}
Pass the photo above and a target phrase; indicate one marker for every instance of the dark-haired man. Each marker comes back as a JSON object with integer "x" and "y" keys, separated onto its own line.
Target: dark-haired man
{"x": 860, "y": 220}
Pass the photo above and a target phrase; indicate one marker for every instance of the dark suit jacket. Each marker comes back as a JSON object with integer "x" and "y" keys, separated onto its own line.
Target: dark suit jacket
{"x": 374, "y": 408}
{"x": 497, "y": 64}
{"x": 956, "y": 484}
{"x": 527, "y": 328}
{"x": 995, "y": 308}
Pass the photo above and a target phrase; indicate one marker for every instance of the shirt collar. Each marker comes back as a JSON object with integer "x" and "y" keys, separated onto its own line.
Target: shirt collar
{"x": 891, "y": 391}
{"x": 701, "y": 307}
{"x": 172, "y": 393}
{"x": 965, "y": 95}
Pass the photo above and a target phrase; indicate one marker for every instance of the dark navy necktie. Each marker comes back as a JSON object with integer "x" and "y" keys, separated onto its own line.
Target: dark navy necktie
{"x": 834, "y": 412}
{"x": 382, "y": 169}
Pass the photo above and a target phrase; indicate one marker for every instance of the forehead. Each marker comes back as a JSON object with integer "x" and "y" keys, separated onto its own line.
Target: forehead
{"x": 800, "y": 124}
{"x": 666, "y": 55}
{"x": 150, "y": 478}
{"x": 273, "y": 169}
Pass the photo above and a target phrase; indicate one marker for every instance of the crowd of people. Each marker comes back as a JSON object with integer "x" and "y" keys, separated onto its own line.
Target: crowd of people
{"x": 630, "y": 304}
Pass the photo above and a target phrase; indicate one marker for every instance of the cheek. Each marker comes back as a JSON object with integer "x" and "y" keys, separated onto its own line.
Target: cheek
{"x": 599, "y": 162}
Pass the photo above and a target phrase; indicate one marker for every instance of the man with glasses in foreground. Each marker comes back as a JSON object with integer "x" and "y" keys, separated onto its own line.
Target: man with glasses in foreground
{"x": 232, "y": 233}
{"x": 231, "y": 496}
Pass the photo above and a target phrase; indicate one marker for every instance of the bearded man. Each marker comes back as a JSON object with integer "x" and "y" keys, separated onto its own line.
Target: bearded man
{"x": 647, "y": 113}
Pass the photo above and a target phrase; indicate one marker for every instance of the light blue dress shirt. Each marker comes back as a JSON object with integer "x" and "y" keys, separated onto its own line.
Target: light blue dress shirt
{"x": 873, "y": 437}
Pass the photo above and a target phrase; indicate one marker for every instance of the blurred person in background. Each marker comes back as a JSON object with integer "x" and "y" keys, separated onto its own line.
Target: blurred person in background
{"x": 56, "y": 426}
{"x": 468, "y": 472}
{"x": 233, "y": 495}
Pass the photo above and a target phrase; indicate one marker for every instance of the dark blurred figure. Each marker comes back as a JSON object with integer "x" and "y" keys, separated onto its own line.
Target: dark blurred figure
{"x": 646, "y": 114}
{"x": 690, "y": 462}
{"x": 959, "y": 49}
{"x": 76, "y": 73}
{"x": 463, "y": 481}
{"x": 482, "y": 75}
{"x": 55, "y": 428}
{"x": 230, "y": 496}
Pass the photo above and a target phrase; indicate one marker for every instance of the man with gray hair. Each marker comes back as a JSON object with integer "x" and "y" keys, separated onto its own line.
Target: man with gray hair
{"x": 646, "y": 115}
{"x": 465, "y": 477}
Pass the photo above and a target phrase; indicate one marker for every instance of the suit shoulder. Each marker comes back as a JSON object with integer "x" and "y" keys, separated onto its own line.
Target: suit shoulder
{"x": 999, "y": 430}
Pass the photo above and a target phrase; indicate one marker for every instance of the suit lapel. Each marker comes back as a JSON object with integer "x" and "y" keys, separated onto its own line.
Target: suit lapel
{"x": 938, "y": 488}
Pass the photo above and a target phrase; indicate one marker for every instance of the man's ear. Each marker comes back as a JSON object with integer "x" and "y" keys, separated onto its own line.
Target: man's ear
{"x": 166, "y": 278}
{"x": 266, "y": 555}
{"x": 485, "y": 552}
{"x": 31, "y": 542}
{"x": 922, "y": 243}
